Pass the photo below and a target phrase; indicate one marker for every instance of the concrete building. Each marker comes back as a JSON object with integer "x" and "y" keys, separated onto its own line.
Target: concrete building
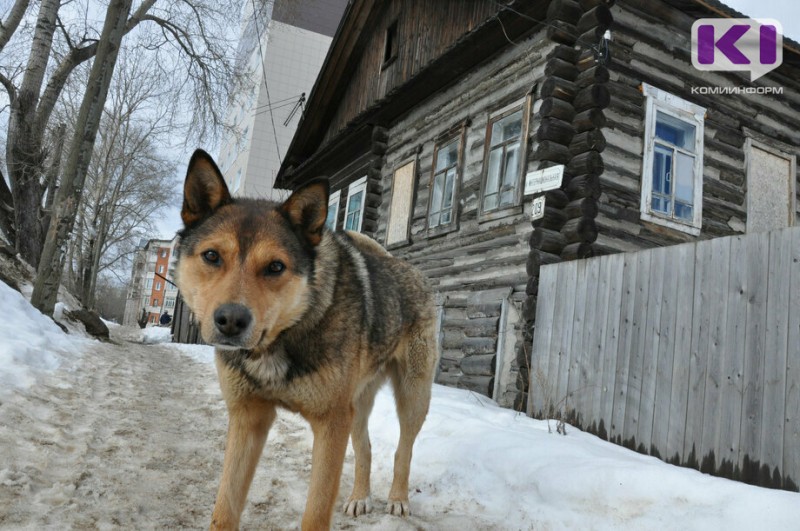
{"x": 282, "y": 47}
{"x": 152, "y": 285}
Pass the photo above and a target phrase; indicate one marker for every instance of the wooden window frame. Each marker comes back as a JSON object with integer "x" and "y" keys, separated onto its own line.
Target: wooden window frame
{"x": 355, "y": 187}
{"x": 523, "y": 105}
{"x": 389, "y": 46}
{"x": 459, "y": 133}
{"x": 334, "y": 201}
{"x": 657, "y": 100}
{"x": 407, "y": 240}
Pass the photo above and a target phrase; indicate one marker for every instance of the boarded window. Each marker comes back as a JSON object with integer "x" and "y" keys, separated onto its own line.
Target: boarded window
{"x": 770, "y": 187}
{"x": 401, "y": 206}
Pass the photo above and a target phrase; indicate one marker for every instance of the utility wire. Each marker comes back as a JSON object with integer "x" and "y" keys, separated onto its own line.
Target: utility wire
{"x": 266, "y": 87}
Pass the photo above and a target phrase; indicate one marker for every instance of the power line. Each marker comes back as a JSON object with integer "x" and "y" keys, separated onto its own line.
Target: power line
{"x": 266, "y": 87}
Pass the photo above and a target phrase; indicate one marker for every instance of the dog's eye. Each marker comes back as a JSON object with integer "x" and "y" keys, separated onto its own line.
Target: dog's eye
{"x": 274, "y": 268}
{"x": 212, "y": 257}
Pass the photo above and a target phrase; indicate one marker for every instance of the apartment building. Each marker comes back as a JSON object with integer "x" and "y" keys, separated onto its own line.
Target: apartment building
{"x": 152, "y": 287}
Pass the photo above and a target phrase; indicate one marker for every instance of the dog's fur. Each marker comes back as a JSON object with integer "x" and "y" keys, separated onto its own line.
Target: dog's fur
{"x": 324, "y": 332}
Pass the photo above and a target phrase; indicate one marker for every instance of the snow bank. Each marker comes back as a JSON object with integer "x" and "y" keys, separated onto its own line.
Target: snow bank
{"x": 201, "y": 353}
{"x": 30, "y": 342}
{"x": 156, "y": 334}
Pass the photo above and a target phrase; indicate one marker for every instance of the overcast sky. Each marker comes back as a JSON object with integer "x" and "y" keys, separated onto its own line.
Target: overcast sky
{"x": 787, "y": 12}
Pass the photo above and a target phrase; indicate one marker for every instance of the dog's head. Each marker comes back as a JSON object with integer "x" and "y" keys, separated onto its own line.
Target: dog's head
{"x": 245, "y": 265}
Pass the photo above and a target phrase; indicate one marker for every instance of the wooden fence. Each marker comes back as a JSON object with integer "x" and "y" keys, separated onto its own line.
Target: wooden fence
{"x": 690, "y": 353}
{"x": 184, "y": 328}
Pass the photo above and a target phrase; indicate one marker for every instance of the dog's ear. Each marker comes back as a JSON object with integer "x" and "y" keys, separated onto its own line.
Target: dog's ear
{"x": 307, "y": 209}
{"x": 204, "y": 190}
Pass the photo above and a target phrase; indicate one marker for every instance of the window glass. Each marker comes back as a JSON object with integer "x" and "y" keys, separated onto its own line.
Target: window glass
{"x": 675, "y": 131}
{"x": 354, "y": 211}
{"x": 503, "y": 164}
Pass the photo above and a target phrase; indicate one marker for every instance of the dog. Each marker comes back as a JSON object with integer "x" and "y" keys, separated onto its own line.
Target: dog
{"x": 309, "y": 320}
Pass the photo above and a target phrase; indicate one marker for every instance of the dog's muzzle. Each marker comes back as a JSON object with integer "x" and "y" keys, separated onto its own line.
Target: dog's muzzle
{"x": 232, "y": 324}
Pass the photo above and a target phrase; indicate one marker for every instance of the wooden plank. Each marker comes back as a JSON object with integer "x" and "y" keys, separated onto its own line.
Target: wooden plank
{"x": 757, "y": 257}
{"x": 626, "y": 315}
{"x": 666, "y": 351}
{"x": 791, "y": 430}
{"x": 597, "y": 347}
{"x": 678, "y": 403}
{"x": 562, "y": 334}
{"x": 698, "y": 354}
{"x": 538, "y": 389}
{"x": 650, "y": 350}
{"x": 732, "y": 387}
{"x": 780, "y": 257}
{"x": 615, "y": 266}
{"x": 573, "y": 387}
{"x": 636, "y": 363}
{"x": 718, "y": 306}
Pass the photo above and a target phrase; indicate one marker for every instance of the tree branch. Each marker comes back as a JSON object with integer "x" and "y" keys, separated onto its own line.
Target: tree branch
{"x": 11, "y": 23}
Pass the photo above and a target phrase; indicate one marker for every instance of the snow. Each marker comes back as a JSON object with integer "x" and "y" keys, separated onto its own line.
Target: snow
{"x": 30, "y": 342}
{"x": 129, "y": 435}
{"x": 156, "y": 334}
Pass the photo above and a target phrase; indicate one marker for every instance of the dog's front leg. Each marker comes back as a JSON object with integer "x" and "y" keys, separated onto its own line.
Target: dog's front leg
{"x": 248, "y": 424}
{"x": 330, "y": 442}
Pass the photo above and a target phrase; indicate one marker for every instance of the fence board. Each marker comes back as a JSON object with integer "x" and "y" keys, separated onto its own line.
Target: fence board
{"x": 679, "y": 396}
{"x": 791, "y": 430}
{"x": 775, "y": 359}
{"x": 690, "y": 352}
{"x": 621, "y": 387}
{"x": 757, "y": 256}
{"x": 538, "y": 391}
{"x": 610, "y": 344}
{"x": 638, "y": 327}
{"x": 572, "y": 389}
{"x": 732, "y": 386}
{"x": 718, "y": 305}
{"x": 666, "y": 352}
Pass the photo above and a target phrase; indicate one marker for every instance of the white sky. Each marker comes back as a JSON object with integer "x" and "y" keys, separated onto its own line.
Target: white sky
{"x": 787, "y": 12}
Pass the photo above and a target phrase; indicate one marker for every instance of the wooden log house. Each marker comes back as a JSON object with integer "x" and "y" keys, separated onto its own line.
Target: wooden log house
{"x": 427, "y": 116}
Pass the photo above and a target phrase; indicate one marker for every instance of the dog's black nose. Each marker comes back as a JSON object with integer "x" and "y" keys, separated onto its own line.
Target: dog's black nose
{"x": 232, "y": 319}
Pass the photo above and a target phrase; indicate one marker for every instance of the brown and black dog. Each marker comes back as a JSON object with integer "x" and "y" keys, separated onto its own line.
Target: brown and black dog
{"x": 309, "y": 320}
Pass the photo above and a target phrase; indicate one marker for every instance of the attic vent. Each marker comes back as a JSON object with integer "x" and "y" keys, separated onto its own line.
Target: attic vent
{"x": 390, "y": 45}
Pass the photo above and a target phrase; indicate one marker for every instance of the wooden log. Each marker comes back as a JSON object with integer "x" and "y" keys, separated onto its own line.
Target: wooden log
{"x": 556, "y": 198}
{"x": 560, "y": 88}
{"x": 479, "y": 365}
{"x": 579, "y": 230}
{"x": 592, "y": 139}
{"x": 581, "y": 186}
{"x": 532, "y": 287}
{"x": 536, "y": 259}
{"x": 562, "y": 32}
{"x": 379, "y": 148}
{"x": 480, "y": 384}
{"x": 593, "y": 74}
{"x": 560, "y": 68}
{"x": 564, "y": 10}
{"x": 564, "y": 52}
{"x": 591, "y": 37}
{"x": 555, "y": 130}
{"x": 553, "y": 151}
{"x": 597, "y": 17}
{"x": 547, "y": 240}
{"x": 554, "y": 218}
{"x": 587, "y": 59}
{"x": 591, "y": 4}
{"x": 585, "y": 207}
{"x": 589, "y": 119}
{"x": 557, "y": 108}
{"x": 380, "y": 134}
{"x": 577, "y": 251}
{"x": 448, "y": 378}
{"x": 592, "y": 97}
{"x": 587, "y": 162}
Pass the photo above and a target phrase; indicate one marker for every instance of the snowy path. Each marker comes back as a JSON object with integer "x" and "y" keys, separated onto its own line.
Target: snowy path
{"x": 132, "y": 437}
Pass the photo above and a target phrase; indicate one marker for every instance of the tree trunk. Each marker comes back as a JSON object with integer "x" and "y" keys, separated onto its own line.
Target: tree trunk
{"x": 48, "y": 274}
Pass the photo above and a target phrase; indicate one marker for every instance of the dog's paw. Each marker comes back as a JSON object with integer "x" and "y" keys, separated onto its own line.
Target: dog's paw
{"x": 398, "y": 507}
{"x": 357, "y": 507}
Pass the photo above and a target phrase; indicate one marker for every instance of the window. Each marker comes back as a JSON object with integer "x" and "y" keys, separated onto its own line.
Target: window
{"x": 161, "y": 270}
{"x": 402, "y": 204}
{"x": 158, "y": 286}
{"x": 333, "y": 210}
{"x": 155, "y": 302}
{"x": 390, "y": 45}
{"x": 672, "y": 171}
{"x": 148, "y": 284}
{"x": 163, "y": 253}
{"x": 505, "y": 156}
{"x": 356, "y": 197}
{"x": 441, "y": 207}
{"x": 771, "y": 184}
{"x": 169, "y": 303}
